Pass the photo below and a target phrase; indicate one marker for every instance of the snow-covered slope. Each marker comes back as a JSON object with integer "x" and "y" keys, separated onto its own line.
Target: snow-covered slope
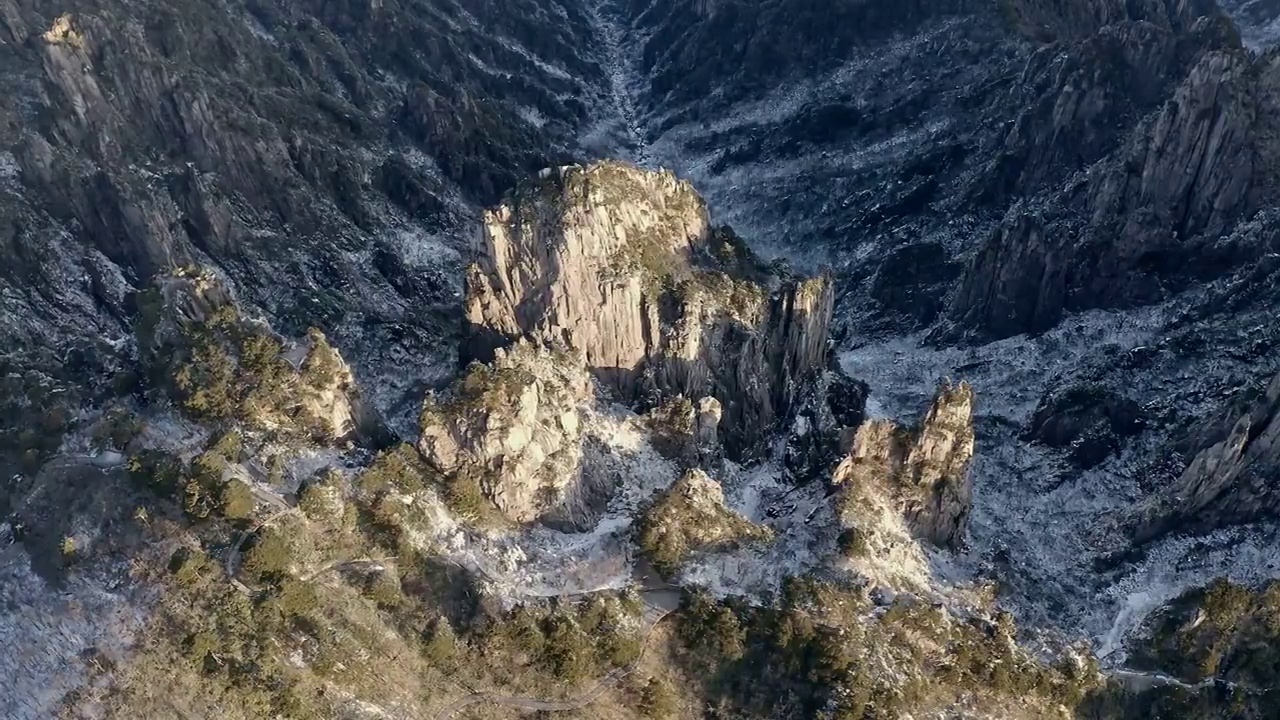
{"x": 998, "y": 188}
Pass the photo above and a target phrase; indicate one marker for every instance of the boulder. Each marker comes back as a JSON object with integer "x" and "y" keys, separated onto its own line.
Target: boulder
{"x": 1089, "y": 420}
{"x": 687, "y": 432}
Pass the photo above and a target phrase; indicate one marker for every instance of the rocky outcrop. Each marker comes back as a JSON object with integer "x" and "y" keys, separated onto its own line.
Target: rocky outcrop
{"x": 690, "y": 517}
{"x": 226, "y": 367}
{"x": 1190, "y": 172}
{"x": 1089, "y": 421}
{"x": 1153, "y": 209}
{"x": 925, "y": 472}
{"x": 514, "y": 428}
{"x": 1230, "y": 478}
{"x": 1017, "y": 281}
{"x": 687, "y": 432}
{"x": 831, "y": 407}
{"x": 936, "y": 485}
{"x": 330, "y": 397}
{"x": 1071, "y": 94}
{"x": 1054, "y": 19}
{"x": 624, "y": 266}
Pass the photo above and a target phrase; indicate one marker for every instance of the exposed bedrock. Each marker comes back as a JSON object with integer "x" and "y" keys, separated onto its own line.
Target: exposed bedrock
{"x": 1109, "y": 217}
{"x": 514, "y": 430}
{"x": 624, "y": 266}
{"x": 925, "y": 472}
{"x": 1235, "y": 460}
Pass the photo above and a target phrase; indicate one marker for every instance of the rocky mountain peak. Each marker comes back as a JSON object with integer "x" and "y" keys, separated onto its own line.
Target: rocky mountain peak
{"x": 924, "y": 472}
{"x": 624, "y": 266}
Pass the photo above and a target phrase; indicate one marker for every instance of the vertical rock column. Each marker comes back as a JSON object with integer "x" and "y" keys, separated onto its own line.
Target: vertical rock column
{"x": 621, "y": 265}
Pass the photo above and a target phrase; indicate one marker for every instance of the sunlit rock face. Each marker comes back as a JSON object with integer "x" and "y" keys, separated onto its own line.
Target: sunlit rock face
{"x": 925, "y": 472}
{"x": 516, "y": 427}
{"x": 625, "y": 266}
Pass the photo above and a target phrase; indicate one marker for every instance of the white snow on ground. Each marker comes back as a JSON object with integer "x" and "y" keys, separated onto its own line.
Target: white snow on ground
{"x": 8, "y": 166}
{"x": 543, "y": 65}
{"x": 1009, "y": 375}
{"x": 787, "y": 99}
{"x": 616, "y": 55}
{"x": 256, "y": 27}
{"x": 1257, "y": 20}
{"x": 170, "y": 432}
{"x": 1047, "y": 532}
{"x": 421, "y": 249}
{"x": 800, "y": 517}
{"x": 1246, "y": 555}
{"x": 45, "y": 630}
{"x": 542, "y": 562}
{"x": 1261, "y": 37}
{"x": 511, "y": 45}
{"x": 486, "y": 67}
{"x": 745, "y": 194}
{"x": 531, "y": 116}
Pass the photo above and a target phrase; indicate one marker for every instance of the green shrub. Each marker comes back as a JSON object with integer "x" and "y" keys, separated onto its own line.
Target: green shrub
{"x": 440, "y": 644}
{"x": 1222, "y": 630}
{"x": 712, "y": 628}
{"x": 383, "y": 588}
{"x": 296, "y": 598}
{"x": 117, "y": 429}
{"x": 662, "y": 543}
{"x": 236, "y": 500}
{"x": 197, "y": 502}
{"x": 657, "y": 700}
{"x": 207, "y": 381}
{"x": 189, "y": 566}
{"x": 322, "y": 365}
{"x": 229, "y": 447}
{"x": 271, "y": 556}
{"x": 400, "y": 468}
{"x": 620, "y": 648}
{"x": 568, "y": 652}
{"x": 854, "y": 543}
{"x": 157, "y": 472}
{"x": 466, "y": 499}
{"x": 323, "y": 500}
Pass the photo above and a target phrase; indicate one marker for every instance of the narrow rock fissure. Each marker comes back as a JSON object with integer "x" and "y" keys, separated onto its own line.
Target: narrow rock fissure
{"x": 622, "y": 75}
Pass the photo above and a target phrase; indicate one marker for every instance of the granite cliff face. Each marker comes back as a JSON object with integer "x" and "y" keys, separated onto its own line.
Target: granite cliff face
{"x": 1230, "y": 476}
{"x": 1148, "y": 206}
{"x": 624, "y": 266}
{"x": 514, "y": 429}
{"x": 925, "y": 472}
